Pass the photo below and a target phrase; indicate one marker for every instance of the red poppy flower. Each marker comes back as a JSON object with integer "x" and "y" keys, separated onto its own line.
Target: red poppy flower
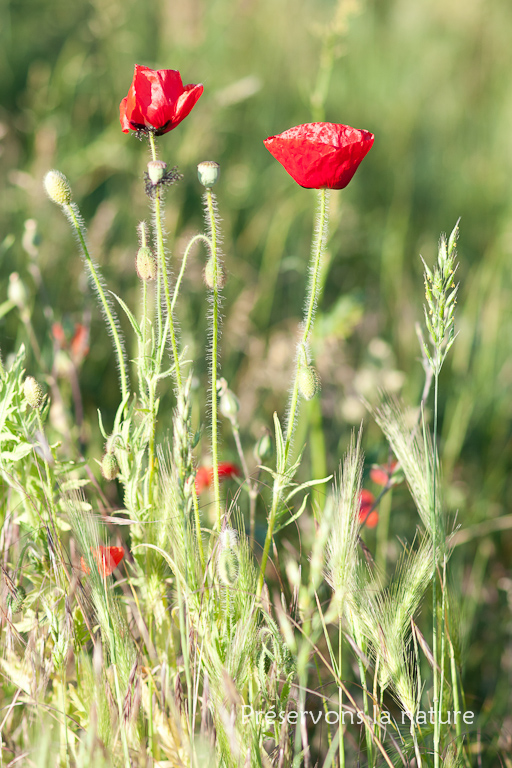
{"x": 157, "y": 101}
{"x": 320, "y": 155}
{"x": 107, "y": 560}
{"x": 382, "y": 474}
{"x": 204, "y": 475}
{"x": 366, "y": 502}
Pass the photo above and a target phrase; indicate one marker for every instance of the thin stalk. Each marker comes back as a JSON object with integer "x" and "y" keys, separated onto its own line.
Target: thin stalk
{"x": 163, "y": 271}
{"x": 214, "y": 354}
{"x": 435, "y": 702}
{"x": 70, "y": 209}
{"x": 340, "y": 691}
{"x": 268, "y": 539}
{"x": 151, "y": 745}
{"x": 319, "y": 241}
{"x": 64, "y": 710}
{"x": 194, "y": 240}
{"x": 49, "y": 483}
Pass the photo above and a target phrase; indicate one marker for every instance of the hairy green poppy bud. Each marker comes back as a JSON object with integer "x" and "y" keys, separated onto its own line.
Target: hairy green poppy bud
{"x": 15, "y": 601}
{"x": 146, "y": 264}
{"x": 228, "y": 565}
{"x": 263, "y": 449}
{"x": 309, "y": 382}
{"x": 156, "y": 170}
{"x": 16, "y": 291}
{"x": 33, "y": 391}
{"x": 228, "y": 404}
{"x": 109, "y": 466}
{"x": 208, "y": 173}
{"x": 208, "y": 274}
{"x": 57, "y": 188}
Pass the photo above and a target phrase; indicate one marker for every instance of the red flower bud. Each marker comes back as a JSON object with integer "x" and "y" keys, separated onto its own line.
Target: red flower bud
{"x": 320, "y": 155}
{"x": 157, "y": 101}
{"x": 382, "y": 474}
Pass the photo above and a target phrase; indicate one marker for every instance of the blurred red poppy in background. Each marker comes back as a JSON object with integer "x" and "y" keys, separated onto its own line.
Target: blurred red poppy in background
{"x": 320, "y": 155}
{"x": 157, "y": 101}
{"x": 107, "y": 559}
{"x": 204, "y": 475}
{"x": 383, "y": 473}
{"x": 366, "y": 502}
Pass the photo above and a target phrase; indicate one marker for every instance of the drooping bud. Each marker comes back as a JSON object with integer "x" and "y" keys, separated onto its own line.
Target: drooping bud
{"x": 109, "y": 466}
{"x": 263, "y": 449}
{"x": 156, "y": 170}
{"x": 229, "y": 404}
{"x": 309, "y": 382}
{"x": 33, "y": 391}
{"x": 208, "y": 173}
{"x": 208, "y": 274}
{"x": 57, "y": 188}
{"x": 16, "y": 291}
{"x": 146, "y": 264}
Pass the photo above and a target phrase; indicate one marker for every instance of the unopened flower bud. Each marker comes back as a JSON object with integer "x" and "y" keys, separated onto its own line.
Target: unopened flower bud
{"x": 228, "y": 564}
{"x": 109, "y": 466}
{"x": 156, "y": 170}
{"x": 309, "y": 382}
{"x": 16, "y": 291}
{"x": 263, "y": 449}
{"x": 57, "y": 188}
{"x": 208, "y": 274}
{"x": 146, "y": 264}
{"x": 33, "y": 392}
{"x": 228, "y": 404}
{"x": 208, "y": 173}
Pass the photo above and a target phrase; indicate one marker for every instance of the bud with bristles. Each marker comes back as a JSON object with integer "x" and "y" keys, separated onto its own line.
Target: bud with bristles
{"x": 156, "y": 170}
{"x": 33, "y": 391}
{"x": 146, "y": 264}
{"x": 208, "y": 275}
{"x": 109, "y": 466}
{"x": 228, "y": 565}
{"x": 208, "y": 173}
{"x": 309, "y": 382}
{"x": 57, "y": 188}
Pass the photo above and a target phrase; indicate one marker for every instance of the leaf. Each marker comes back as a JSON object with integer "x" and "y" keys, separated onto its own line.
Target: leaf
{"x": 309, "y": 484}
{"x": 129, "y": 315}
{"x": 71, "y": 485}
{"x": 293, "y": 517}
{"x": 18, "y": 453}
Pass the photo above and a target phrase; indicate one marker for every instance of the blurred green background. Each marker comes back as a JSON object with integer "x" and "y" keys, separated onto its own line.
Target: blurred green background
{"x": 432, "y": 79}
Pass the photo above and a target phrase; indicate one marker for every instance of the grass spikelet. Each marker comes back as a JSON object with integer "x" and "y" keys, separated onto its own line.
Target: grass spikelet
{"x": 408, "y": 445}
{"x": 342, "y": 544}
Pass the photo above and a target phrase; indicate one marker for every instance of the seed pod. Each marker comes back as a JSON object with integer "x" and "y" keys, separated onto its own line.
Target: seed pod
{"x": 57, "y": 188}
{"x": 208, "y": 173}
{"x": 156, "y": 170}
{"x": 309, "y": 382}
{"x": 15, "y": 601}
{"x": 146, "y": 264}
{"x": 228, "y": 565}
{"x": 208, "y": 274}
{"x": 33, "y": 391}
{"x": 109, "y": 466}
